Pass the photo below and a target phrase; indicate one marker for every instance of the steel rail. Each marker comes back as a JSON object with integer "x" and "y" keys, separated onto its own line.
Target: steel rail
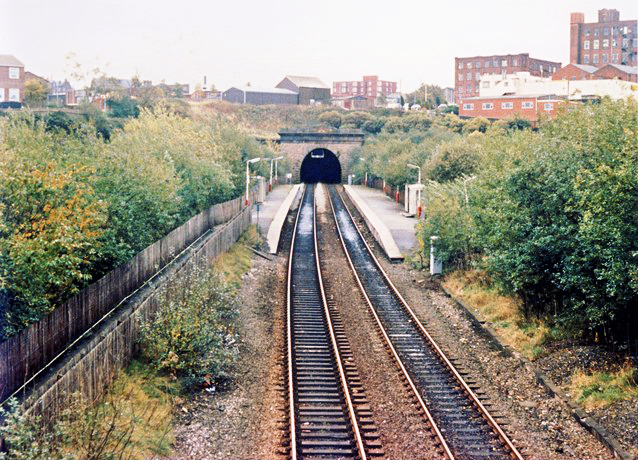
{"x": 292, "y": 388}
{"x": 513, "y": 452}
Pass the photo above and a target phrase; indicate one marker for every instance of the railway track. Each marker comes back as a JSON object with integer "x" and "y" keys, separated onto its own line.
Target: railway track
{"x": 461, "y": 423}
{"x": 328, "y": 413}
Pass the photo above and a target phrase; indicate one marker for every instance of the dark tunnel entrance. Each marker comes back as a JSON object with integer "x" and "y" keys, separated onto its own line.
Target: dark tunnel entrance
{"x": 320, "y": 165}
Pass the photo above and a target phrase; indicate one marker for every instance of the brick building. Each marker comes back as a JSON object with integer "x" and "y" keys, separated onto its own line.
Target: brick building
{"x": 468, "y": 70}
{"x": 370, "y": 87}
{"x": 508, "y": 107}
{"x": 608, "y": 41}
{"x": 12, "y": 81}
{"x": 311, "y": 90}
{"x": 589, "y": 72}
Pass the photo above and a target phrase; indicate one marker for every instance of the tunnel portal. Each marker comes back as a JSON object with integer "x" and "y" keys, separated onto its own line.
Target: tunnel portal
{"x": 320, "y": 165}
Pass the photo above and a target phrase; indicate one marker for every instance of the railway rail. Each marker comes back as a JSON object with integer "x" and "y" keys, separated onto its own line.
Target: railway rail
{"x": 460, "y": 421}
{"x": 327, "y": 418}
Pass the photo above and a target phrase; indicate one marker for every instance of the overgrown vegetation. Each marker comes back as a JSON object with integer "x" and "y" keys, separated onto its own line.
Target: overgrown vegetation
{"x": 192, "y": 337}
{"x": 73, "y": 206}
{"x": 131, "y": 421}
{"x": 598, "y": 389}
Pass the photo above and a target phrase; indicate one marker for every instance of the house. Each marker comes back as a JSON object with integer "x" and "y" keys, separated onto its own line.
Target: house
{"x": 311, "y": 90}
{"x": 12, "y": 79}
{"x": 370, "y": 86}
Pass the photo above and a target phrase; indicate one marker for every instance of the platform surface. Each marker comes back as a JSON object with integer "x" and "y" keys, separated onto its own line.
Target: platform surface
{"x": 386, "y": 210}
{"x": 389, "y": 212}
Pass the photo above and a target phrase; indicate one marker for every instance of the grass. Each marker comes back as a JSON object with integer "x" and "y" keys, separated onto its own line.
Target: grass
{"x": 133, "y": 420}
{"x": 238, "y": 260}
{"x": 475, "y": 289}
{"x": 601, "y": 389}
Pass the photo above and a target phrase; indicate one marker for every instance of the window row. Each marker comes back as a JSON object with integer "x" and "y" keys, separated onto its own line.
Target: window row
{"x": 14, "y": 95}
{"x": 507, "y": 105}
{"x": 602, "y": 58}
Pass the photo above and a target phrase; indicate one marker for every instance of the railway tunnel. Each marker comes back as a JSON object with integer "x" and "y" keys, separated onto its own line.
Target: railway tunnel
{"x": 320, "y": 165}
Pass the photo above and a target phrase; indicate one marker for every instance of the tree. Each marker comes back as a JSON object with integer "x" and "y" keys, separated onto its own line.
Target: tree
{"x": 35, "y": 92}
{"x": 331, "y": 118}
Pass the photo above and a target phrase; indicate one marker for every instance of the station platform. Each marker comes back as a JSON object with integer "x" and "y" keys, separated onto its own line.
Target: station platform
{"x": 382, "y": 209}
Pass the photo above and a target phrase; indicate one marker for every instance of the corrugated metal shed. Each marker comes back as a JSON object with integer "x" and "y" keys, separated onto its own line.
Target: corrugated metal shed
{"x": 307, "y": 82}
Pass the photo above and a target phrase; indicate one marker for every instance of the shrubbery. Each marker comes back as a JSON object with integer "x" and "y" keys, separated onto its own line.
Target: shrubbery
{"x": 192, "y": 336}
{"x": 73, "y": 207}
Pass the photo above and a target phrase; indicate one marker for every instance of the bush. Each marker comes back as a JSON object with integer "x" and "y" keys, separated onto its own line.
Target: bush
{"x": 192, "y": 335}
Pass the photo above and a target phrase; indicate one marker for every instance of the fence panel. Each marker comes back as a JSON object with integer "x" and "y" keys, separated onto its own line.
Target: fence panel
{"x": 22, "y": 355}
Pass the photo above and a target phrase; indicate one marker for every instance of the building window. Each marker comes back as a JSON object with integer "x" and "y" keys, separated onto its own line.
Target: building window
{"x": 595, "y": 32}
{"x": 504, "y": 63}
{"x": 468, "y": 76}
{"x": 596, "y": 44}
{"x": 507, "y": 105}
{"x": 614, "y": 43}
{"x": 586, "y": 59}
{"x": 468, "y": 106}
{"x": 469, "y": 65}
{"x": 488, "y": 106}
{"x": 1, "y": 94}
{"x": 605, "y": 58}
{"x": 614, "y": 58}
{"x": 478, "y": 64}
{"x": 606, "y": 31}
{"x": 486, "y": 84}
{"x": 595, "y": 59}
{"x": 586, "y": 44}
{"x": 14, "y": 73}
{"x": 14, "y": 94}
{"x": 527, "y": 105}
{"x": 514, "y": 62}
{"x": 488, "y": 64}
{"x": 605, "y": 44}
{"x": 548, "y": 106}
{"x": 477, "y": 76}
{"x": 587, "y": 33}
{"x": 460, "y": 77}
{"x": 468, "y": 89}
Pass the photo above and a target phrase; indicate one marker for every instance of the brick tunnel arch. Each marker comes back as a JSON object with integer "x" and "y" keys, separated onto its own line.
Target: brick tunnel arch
{"x": 320, "y": 165}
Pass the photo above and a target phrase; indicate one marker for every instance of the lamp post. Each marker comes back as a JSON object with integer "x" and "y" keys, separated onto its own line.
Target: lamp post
{"x": 270, "y": 182}
{"x": 465, "y": 188}
{"x": 365, "y": 169}
{"x": 276, "y": 165}
{"x": 418, "y": 193}
{"x": 254, "y": 160}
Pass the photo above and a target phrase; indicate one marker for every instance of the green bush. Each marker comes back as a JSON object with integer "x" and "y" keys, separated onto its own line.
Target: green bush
{"x": 192, "y": 336}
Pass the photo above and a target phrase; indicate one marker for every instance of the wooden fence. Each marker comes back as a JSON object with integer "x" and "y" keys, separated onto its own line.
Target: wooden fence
{"x": 24, "y": 354}
{"x": 95, "y": 364}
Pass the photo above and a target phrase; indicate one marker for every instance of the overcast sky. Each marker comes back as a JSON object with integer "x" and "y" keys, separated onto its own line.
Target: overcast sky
{"x": 233, "y": 42}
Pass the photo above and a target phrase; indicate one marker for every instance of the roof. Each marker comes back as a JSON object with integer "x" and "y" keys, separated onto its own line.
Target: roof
{"x": 307, "y": 82}
{"x": 625, "y": 68}
{"x": 8, "y": 60}
{"x": 586, "y": 68}
{"x": 253, "y": 89}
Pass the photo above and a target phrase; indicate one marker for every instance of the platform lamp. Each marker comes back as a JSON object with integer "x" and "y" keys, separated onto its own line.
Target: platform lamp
{"x": 418, "y": 202}
{"x": 270, "y": 182}
{"x": 276, "y": 165}
{"x": 254, "y": 160}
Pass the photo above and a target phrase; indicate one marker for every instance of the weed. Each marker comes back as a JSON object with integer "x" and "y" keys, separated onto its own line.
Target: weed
{"x": 475, "y": 288}
{"x": 598, "y": 389}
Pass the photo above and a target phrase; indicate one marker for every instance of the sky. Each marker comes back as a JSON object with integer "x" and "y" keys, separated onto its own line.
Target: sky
{"x": 233, "y": 42}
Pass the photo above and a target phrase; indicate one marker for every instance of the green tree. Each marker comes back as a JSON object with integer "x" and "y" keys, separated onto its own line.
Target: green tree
{"x": 35, "y": 92}
{"x": 331, "y": 118}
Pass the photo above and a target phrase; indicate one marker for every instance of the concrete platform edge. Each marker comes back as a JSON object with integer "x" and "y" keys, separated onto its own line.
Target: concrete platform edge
{"x": 274, "y": 231}
{"x": 379, "y": 229}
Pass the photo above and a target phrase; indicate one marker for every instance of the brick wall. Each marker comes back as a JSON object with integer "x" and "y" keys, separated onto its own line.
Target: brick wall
{"x": 7, "y": 83}
{"x": 528, "y": 108}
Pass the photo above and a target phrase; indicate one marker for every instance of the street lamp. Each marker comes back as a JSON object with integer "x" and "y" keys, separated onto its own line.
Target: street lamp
{"x": 465, "y": 187}
{"x": 270, "y": 182}
{"x": 418, "y": 205}
{"x": 276, "y": 165}
{"x": 254, "y": 160}
{"x": 365, "y": 181}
